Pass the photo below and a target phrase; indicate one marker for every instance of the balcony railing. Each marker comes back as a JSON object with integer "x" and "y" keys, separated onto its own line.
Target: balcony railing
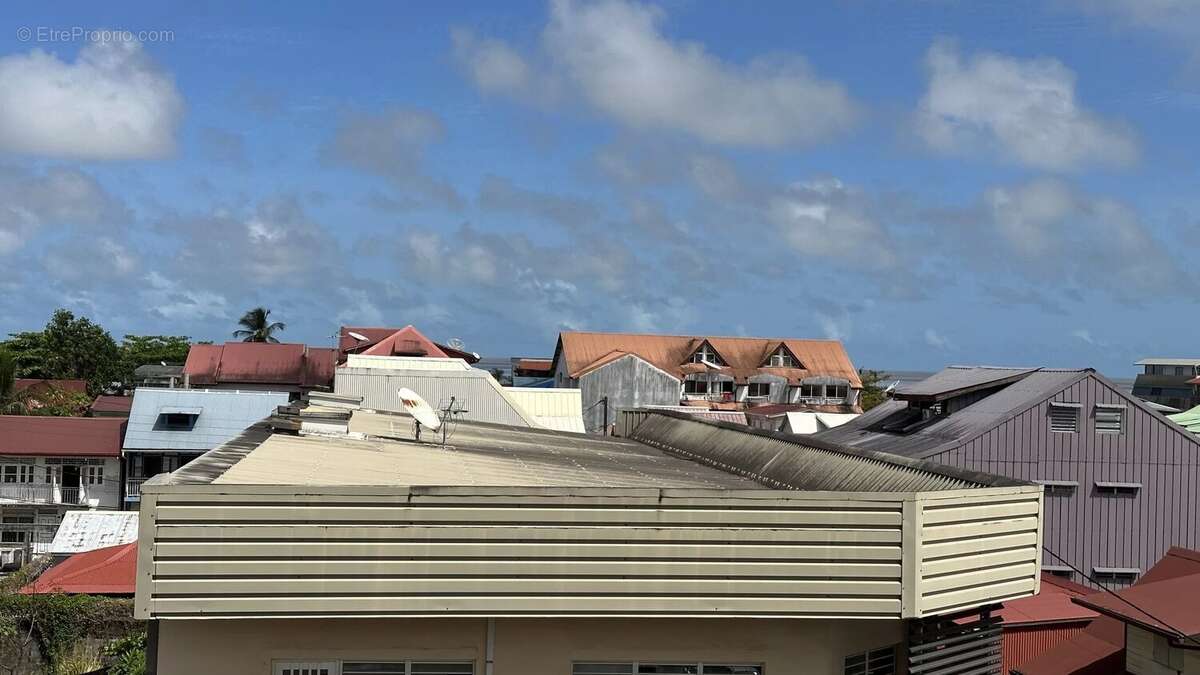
{"x": 133, "y": 488}
{"x": 40, "y": 493}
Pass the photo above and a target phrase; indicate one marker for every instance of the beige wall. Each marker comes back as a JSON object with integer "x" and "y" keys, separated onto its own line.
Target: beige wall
{"x": 523, "y": 646}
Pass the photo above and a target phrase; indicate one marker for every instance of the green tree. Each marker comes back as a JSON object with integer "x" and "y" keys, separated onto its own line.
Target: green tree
{"x": 872, "y": 393}
{"x": 142, "y": 350}
{"x": 256, "y": 326}
{"x": 29, "y": 351}
{"x": 8, "y": 374}
{"x": 78, "y": 349}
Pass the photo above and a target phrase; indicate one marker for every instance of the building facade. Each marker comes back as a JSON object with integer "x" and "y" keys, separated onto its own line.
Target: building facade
{"x": 622, "y": 371}
{"x": 1122, "y": 482}
{"x": 170, "y": 427}
{"x": 1168, "y": 382}
{"x": 691, "y": 547}
{"x": 48, "y": 466}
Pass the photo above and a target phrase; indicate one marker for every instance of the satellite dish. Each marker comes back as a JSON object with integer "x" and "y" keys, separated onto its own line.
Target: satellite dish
{"x": 357, "y": 336}
{"x": 163, "y": 363}
{"x": 455, "y": 343}
{"x": 418, "y": 408}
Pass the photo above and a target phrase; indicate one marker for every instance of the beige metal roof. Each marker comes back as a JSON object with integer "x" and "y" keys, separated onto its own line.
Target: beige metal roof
{"x": 475, "y": 455}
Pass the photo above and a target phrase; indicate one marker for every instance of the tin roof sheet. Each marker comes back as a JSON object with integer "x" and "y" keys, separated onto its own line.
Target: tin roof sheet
{"x": 260, "y": 363}
{"x": 105, "y": 571}
{"x": 90, "y": 530}
{"x": 743, "y": 356}
{"x": 220, "y": 416}
{"x": 31, "y": 435}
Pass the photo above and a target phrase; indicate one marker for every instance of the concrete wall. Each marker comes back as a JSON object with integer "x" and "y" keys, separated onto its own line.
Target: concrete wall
{"x": 629, "y": 382}
{"x": 522, "y": 646}
{"x": 1088, "y": 528}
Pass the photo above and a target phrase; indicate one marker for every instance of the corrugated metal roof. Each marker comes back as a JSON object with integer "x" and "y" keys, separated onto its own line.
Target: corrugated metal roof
{"x": 90, "y": 530}
{"x": 407, "y": 341}
{"x": 1168, "y": 362}
{"x": 223, "y": 415}
{"x": 32, "y": 435}
{"x": 260, "y": 363}
{"x": 112, "y": 404}
{"x": 1165, "y": 604}
{"x": 743, "y": 356}
{"x": 958, "y": 380}
{"x": 800, "y": 462}
{"x": 1052, "y": 605}
{"x": 474, "y": 391}
{"x": 104, "y": 571}
{"x": 476, "y": 454}
{"x": 22, "y": 383}
{"x": 956, "y": 428}
{"x": 552, "y": 408}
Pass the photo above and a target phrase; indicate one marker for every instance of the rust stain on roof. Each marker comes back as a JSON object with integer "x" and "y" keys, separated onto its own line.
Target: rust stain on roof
{"x": 260, "y": 363}
{"x": 741, "y": 357}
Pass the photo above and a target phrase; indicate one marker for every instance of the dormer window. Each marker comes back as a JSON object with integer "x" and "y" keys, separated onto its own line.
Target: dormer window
{"x": 707, "y": 355}
{"x": 172, "y": 418}
{"x": 781, "y": 358}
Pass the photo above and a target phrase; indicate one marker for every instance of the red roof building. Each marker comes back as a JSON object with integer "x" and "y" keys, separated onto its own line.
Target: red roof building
{"x": 111, "y": 406}
{"x": 104, "y": 571}
{"x": 407, "y": 341}
{"x": 260, "y": 365}
{"x": 1033, "y": 626}
{"x": 1169, "y": 592}
{"x": 34, "y": 436}
{"x": 21, "y": 384}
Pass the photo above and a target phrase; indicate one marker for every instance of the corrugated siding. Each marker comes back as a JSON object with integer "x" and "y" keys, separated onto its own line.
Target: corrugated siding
{"x": 474, "y": 391}
{"x": 1024, "y": 644}
{"x": 629, "y": 383}
{"x": 560, "y": 409}
{"x": 358, "y": 552}
{"x": 978, "y": 548}
{"x": 1088, "y": 529}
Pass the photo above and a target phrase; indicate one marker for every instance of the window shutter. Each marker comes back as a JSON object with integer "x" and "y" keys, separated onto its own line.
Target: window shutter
{"x": 1064, "y": 418}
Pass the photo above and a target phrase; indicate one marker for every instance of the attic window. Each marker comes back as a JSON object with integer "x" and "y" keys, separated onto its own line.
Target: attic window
{"x": 1064, "y": 417}
{"x": 176, "y": 419}
{"x": 1109, "y": 418}
{"x": 706, "y": 354}
{"x": 781, "y": 358}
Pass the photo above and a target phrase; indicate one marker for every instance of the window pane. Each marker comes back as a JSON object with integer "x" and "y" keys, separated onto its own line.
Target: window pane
{"x": 391, "y": 668}
{"x": 603, "y": 668}
{"x": 724, "y": 669}
{"x": 443, "y": 668}
{"x": 676, "y": 668}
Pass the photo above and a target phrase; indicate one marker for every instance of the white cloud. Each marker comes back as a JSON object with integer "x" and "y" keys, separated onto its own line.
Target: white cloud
{"x": 59, "y": 196}
{"x": 1024, "y": 110}
{"x": 172, "y": 300}
{"x": 1084, "y": 335}
{"x": 616, "y": 57}
{"x": 1054, "y": 232}
{"x": 82, "y": 258}
{"x": 826, "y": 219}
{"x": 937, "y": 340}
{"x": 112, "y": 102}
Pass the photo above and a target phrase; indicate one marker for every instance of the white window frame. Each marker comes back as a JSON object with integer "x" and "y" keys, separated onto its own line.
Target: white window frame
{"x": 335, "y": 666}
{"x": 880, "y": 661}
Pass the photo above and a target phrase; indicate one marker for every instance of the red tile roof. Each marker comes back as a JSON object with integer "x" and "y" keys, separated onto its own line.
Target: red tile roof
{"x": 260, "y": 363}
{"x": 1160, "y": 603}
{"x": 743, "y": 356}
{"x": 1052, "y": 605}
{"x": 104, "y": 571}
{"x": 21, "y": 384}
{"x": 1100, "y": 649}
{"x": 112, "y": 404}
{"x": 349, "y": 345}
{"x": 61, "y": 436}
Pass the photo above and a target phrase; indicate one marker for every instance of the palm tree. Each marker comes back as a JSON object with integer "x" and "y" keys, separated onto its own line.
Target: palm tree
{"x": 255, "y": 326}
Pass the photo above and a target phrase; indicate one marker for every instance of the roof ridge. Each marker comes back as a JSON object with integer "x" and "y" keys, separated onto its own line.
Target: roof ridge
{"x": 702, "y": 336}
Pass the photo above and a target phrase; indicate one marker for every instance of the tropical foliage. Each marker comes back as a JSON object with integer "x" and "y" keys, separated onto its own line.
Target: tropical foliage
{"x": 872, "y": 392}
{"x": 256, "y": 326}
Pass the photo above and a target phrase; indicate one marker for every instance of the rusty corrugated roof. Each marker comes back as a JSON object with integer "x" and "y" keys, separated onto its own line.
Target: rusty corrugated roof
{"x": 743, "y": 356}
{"x": 112, "y": 404}
{"x": 104, "y": 571}
{"x": 61, "y": 436}
{"x": 1052, "y": 605}
{"x": 260, "y": 363}
{"x": 1164, "y": 602}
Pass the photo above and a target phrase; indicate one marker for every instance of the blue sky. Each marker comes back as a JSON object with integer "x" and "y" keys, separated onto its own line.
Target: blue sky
{"x": 931, "y": 182}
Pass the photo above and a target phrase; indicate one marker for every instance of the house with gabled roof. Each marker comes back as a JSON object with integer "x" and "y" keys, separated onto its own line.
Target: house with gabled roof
{"x": 407, "y": 341}
{"x": 1122, "y": 481}
{"x": 626, "y": 371}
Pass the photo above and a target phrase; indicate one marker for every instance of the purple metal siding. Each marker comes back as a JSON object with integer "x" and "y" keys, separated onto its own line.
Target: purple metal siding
{"x": 1087, "y": 529}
